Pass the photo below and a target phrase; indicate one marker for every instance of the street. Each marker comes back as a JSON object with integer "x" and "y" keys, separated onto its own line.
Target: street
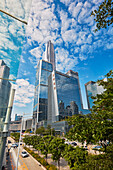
{"x": 28, "y": 163}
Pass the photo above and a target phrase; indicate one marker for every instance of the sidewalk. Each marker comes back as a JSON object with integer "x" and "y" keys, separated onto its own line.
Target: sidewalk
{"x": 63, "y": 163}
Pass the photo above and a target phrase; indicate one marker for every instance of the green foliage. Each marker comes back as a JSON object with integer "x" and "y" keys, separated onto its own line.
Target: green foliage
{"x": 98, "y": 162}
{"x": 74, "y": 156}
{"x": 41, "y": 160}
{"x": 44, "y": 144}
{"x": 104, "y": 15}
{"x": 40, "y": 130}
{"x": 56, "y": 148}
{"x": 15, "y": 136}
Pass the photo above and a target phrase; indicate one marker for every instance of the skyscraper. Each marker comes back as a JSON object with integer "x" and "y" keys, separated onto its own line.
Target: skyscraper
{"x": 50, "y": 54}
{"x": 5, "y": 87}
{"x": 57, "y": 95}
{"x": 44, "y": 69}
{"x": 64, "y": 96}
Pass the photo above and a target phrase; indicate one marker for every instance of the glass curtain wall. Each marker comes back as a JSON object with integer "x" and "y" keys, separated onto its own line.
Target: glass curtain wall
{"x": 44, "y": 69}
{"x": 68, "y": 95}
{"x": 13, "y": 21}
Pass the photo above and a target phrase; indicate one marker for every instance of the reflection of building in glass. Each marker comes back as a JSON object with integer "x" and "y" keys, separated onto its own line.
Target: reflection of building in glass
{"x": 44, "y": 69}
{"x": 57, "y": 95}
{"x": 92, "y": 89}
{"x": 64, "y": 97}
{"x": 5, "y": 87}
{"x": 18, "y": 117}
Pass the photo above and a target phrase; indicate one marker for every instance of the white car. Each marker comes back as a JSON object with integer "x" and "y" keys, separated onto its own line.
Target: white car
{"x": 24, "y": 154}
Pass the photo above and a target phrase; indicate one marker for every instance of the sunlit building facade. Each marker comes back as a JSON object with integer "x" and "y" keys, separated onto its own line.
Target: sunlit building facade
{"x": 64, "y": 96}
{"x": 57, "y": 95}
{"x": 44, "y": 69}
{"x": 5, "y": 87}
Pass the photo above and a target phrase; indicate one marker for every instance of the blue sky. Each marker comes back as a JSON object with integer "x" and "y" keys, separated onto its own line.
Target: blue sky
{"x": 68, "y": 24}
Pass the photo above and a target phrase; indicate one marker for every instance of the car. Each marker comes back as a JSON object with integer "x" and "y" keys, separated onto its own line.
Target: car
{"x": 9, "y": 141}
{"x": 74, "y": 143}
{"x": 24, "y": 154}
{"x": 97, "y": 147}
{"x": 14, "y": 145}
{"x": 85, "y": 147}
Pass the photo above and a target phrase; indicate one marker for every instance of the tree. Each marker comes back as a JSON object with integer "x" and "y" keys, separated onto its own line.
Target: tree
{"x": 56, "y": 148}
{"x": 104, "y": 15}
{"x": 40, "y": 130}
{"x": 74, "y": 156}
{"x": 44, "y": 145}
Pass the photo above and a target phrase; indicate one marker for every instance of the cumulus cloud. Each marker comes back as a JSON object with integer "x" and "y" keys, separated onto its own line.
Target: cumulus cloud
{"x": 24, "y": 93}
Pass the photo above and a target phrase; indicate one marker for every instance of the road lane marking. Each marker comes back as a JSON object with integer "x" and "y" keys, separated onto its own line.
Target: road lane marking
{"x": 24, "y": 165}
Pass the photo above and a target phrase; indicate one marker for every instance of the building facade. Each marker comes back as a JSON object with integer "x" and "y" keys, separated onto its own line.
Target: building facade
{"x": 57, "y": 95}
{"x": 5, "y": 87}
{"x": 64, "y": 96}
{"x": 44, "y": 69}
{"x": 50, "y": 54}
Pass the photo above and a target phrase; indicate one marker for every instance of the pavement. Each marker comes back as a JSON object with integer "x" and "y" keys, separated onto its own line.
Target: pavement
{"x": 28, "y": 163}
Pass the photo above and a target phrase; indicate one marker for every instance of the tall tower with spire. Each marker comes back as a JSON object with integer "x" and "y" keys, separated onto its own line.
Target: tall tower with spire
{"x": 50, "y": 54}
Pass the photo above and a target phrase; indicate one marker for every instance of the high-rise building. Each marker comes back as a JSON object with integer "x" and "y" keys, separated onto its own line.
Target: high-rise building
{"x": 5, "y": 87}
{"x": 18, "y": 117}
{"x": 50, "y": 54}
{"x": 44, "y": 69}
{"x": 64, "y": 96}
{"x": 57, "y": 95}
{"x": 92, "y": 89}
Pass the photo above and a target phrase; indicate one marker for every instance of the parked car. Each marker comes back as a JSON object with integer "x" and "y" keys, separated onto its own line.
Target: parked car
{"x": 14, "y": 145}
{"x": 85, "y": 147}
{"x": 97, "y": 147}
{"x": 9, "y": 141}
{"x": 74, "y": 143}
{"x": 24, "y": 154}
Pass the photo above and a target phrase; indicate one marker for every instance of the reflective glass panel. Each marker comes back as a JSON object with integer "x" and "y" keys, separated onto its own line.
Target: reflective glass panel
{"x": 68, "y": 94}
{"x": 46, "y": 65}
{"x": 43, "y": 92}
{"x": 44, "y": 77}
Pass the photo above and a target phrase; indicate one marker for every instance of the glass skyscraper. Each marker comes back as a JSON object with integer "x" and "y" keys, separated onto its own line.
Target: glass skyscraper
{"x": 57, "y": 95}
{"x": 40, "y": 108}
{"x": 64, "y": 96}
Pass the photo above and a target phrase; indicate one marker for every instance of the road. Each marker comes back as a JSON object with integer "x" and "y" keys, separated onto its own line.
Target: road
{"x": 28, "y": 163}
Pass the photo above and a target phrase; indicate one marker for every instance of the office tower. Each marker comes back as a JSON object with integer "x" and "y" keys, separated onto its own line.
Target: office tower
{"x": 18, "y": 117}
{"x": 92, "y": 89}
{"x": 5, "y": 87}
{"x": 56, "y": 96}
{"x": 50, "y": 54}
{"x": 44, "y": 69}
{"x": 63, "y": 90}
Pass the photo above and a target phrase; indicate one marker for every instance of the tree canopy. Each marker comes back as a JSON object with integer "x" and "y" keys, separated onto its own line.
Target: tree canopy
{"x": 104, "y": 15}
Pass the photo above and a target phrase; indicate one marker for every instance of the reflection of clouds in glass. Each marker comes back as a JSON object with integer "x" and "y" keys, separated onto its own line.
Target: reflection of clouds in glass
{"x": 12, "y": 32}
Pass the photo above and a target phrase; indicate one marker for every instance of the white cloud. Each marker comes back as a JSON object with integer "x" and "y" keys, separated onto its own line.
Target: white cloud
{"x": 24, "y": 93}
{"x": 75, "y": 9}
{"x": 109, "y": 46}
{"x": 82, "y": 57}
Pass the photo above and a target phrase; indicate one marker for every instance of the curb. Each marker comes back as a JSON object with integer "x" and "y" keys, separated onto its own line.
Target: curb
{"x": 37, "y": 162}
